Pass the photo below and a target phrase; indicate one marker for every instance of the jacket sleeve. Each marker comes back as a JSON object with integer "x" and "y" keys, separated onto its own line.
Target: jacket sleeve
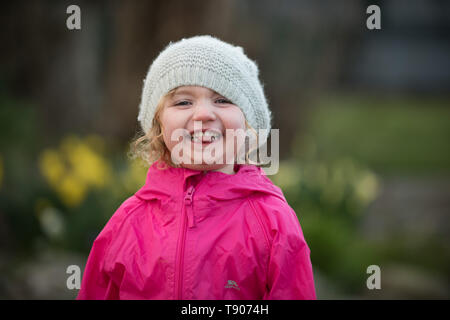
{"x": 99, "y": 281}
{"x": 96, "y": 284}
{"x": 289, "y": 274}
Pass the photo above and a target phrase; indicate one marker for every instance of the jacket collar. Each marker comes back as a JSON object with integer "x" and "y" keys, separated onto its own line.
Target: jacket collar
{"x": 169, "y": 182}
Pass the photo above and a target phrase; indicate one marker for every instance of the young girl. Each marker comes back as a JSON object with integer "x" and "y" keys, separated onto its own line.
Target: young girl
{"x": 199, "y": 229}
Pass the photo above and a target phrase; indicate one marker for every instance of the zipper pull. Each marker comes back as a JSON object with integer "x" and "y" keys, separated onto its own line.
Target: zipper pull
{"x": 189, "y": 210}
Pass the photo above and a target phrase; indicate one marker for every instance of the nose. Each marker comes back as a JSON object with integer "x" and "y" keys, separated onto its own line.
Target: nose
{"x": 203, "y": 111}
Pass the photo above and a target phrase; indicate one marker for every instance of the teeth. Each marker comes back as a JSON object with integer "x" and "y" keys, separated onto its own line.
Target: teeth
{"x": 207, "y": 136}
{"x": 211, "y": 134}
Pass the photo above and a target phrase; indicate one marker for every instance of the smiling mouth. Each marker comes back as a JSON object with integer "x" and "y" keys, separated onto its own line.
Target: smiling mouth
{"x": 205, "y": 137}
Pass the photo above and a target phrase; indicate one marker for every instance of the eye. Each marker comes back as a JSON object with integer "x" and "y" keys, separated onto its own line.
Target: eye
{"x": 222, "y": 100}
{"x": 182, "y": 103}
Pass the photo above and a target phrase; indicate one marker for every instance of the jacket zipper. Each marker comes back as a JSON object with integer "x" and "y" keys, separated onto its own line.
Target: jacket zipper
{"x": 187, "y": 219}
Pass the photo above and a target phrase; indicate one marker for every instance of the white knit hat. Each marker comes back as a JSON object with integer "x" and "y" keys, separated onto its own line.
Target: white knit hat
{"x": 208, "y": 62}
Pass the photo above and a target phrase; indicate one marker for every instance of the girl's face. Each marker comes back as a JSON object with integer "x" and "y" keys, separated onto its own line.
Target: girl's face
{"x": 206, "y": 118}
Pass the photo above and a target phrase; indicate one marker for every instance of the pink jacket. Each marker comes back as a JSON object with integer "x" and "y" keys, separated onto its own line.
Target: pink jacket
{"x": 190, "y": 235}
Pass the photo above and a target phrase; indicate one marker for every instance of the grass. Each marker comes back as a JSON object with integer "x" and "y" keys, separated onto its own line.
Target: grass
{"x": 389, "y": 134}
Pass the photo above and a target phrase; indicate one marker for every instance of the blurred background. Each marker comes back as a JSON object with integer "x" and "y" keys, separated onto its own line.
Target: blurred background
{"x": 363, "y": 117}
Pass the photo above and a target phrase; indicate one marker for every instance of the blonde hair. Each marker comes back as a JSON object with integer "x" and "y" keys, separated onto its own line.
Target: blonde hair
{"x": 151, "y": 147}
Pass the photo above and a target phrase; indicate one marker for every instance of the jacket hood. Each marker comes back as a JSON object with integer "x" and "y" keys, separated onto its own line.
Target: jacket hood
{"x": 168, "y": 182}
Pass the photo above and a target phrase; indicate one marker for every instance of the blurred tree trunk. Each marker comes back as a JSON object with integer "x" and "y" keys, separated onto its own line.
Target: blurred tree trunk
{"x": 54, "y": 69}
{"x": 141, "y": 30}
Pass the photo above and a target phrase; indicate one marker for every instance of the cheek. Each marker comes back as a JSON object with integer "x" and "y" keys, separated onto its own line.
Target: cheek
{"x": 170, "y": 122}
{"x": 235, "y": 120}
{"x": 166, "y": 138}
{"x": 235, "y": 138}
{"x": 166, "y": 128}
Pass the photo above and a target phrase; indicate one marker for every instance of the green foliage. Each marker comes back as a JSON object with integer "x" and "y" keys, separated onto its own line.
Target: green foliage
{"x": 329, "y": 199}
{"x": 61, "y": 195}
{"x": 19, "y": 180}
{"x": 396, "y": 135}
{"x": 337, "y": 171}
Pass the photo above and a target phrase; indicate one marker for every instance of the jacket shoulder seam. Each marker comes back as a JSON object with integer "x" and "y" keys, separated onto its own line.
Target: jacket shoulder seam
{"x": 261, "y": 225}
{"x": 129, "y": 211}
{"x": 116, "y": 227}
